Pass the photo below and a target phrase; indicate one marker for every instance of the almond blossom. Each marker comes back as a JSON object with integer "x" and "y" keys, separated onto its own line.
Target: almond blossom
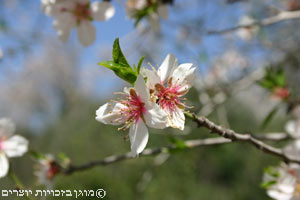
{"x": 46, "y": 170}
{"x": 10, "y": 145}
{"x": 69, "y": 14}
{"x": 135, "y": 112}
{"x": 168, "y": 85}
{"x": 283, "y": 183}
{"x": 293, "y": 128}
{"x": 160, "y": 10}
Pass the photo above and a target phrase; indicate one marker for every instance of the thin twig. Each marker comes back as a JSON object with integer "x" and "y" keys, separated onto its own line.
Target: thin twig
{"x": 232, "y": 135}
{"x": 189, "y": 144}
{"x": 282, "y": 16}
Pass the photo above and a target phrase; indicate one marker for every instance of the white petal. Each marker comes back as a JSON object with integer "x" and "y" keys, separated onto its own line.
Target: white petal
{"x": 177, "y": 119}
{"x": 163, "y": 11}
{"x": 7, "y": 127}
{"x": 15, "y": 146}
{"x": 86, "y": 33}
{"x": 287, "y": 187}
{"x": 275, "y": 194}
{"x": 138, "y": 135}
{"x": 4, "y": 165}
{"x": 64, "y": 21}
{"x": 293, "y": 129}
{"x": 110, "y": 114}
{"x": 184, "y": 75}
{"x": 102, "y": 11}
{"x": 156, "y": 118}
{"x": 167, "y": 67}
{"x": 151, "y": 76}
{"x": 140, "y": 88}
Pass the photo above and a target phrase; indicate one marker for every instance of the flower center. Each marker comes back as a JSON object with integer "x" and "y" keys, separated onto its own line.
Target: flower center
{"x": 135, "y": 109}
{"x": 169, "y": 98}
{"x": 81, "y": 12}
{"x": 53, "y": 170}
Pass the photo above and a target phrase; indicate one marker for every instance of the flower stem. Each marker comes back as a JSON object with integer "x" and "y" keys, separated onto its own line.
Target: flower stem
{"x": 18, "y": 184}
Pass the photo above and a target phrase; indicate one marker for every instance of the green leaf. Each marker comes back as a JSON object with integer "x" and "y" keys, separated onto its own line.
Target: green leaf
{"x": 37, "y": 155}
{"x": 269, "y": 117}
{"x": 280, "y": 78}
{"x": 125, "y": 73}
{"x": 118, "y": 56}
{"x": 273, "y": 78}
{"x": 266, "y": 84}
{"x": 272, "y": 171}
{"x": 267, "y": 184}
{"x": 140, "y": 64}
{"x": 63, "y": 156}
{"x": 179, "y": 145}
{"x": 145, "y": 12}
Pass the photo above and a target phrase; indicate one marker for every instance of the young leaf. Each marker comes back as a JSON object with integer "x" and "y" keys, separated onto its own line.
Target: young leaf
{"x": 179, "y": 145}
{"x": 120, "y": 65}
{"x": 37, "y": 155}
{"x": 140, "y": 64}
{"x": 267, "y": 184}
{"x": 118, "y": 56}
{"x": 269, "y": 117}
{"x": 127, "y": 74}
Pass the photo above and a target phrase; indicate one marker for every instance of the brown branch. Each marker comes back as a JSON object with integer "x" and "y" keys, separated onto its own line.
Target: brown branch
{"x": 232, "y": 135}
{"x": 189, "y": 144}
{"x": 282, "y": 16}
{"x": 228, "y": 137}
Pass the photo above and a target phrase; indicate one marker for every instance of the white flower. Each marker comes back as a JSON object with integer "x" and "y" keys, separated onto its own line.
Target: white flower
{"x": 284, "y": 182}
{"x": 69, "y": 14}
{"x": 135, "y": 112}
{"x": 46, "y": 170}
{"x": 167, "y": 86}
{"x": 247, "y": 33}
{"x": 10, "y": 145}
{"x": 293, "y": 128}
{"x": 133, "y": 7}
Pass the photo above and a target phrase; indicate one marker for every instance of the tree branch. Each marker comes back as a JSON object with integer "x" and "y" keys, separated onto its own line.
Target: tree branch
{"x": 232, "y": 135}
{"x": 189, "y": 144}
{"x": 282, "y": 16}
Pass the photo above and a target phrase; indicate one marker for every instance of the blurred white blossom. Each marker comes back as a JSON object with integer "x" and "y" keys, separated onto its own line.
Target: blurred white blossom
{"x": 69, "y": 14}
{"x": 283, "y": 182}
{"x": 10, "y": 145}
{"x": 249, "y": 32}
{"x": 45, "y": 170}
{"x": 134, "y": 8}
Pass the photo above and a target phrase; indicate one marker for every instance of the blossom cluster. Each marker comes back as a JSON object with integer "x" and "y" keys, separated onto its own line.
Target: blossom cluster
{"x": 157, "y": 102}
{"x": 79, "y": 14}
{"x": 283, "y": 182}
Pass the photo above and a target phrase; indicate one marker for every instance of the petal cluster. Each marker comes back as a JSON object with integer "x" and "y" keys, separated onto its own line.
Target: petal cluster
{"x": 79, "y": 14}
{"x": 10, "y": 145}
{"x": 284, "y": 182}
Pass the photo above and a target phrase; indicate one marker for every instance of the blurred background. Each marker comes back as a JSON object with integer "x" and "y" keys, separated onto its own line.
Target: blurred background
{"x": 52, "y": 90}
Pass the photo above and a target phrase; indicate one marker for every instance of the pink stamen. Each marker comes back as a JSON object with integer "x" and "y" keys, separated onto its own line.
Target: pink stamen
{"x": 169, "y": 98}
{"x": 135, "y": 108}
